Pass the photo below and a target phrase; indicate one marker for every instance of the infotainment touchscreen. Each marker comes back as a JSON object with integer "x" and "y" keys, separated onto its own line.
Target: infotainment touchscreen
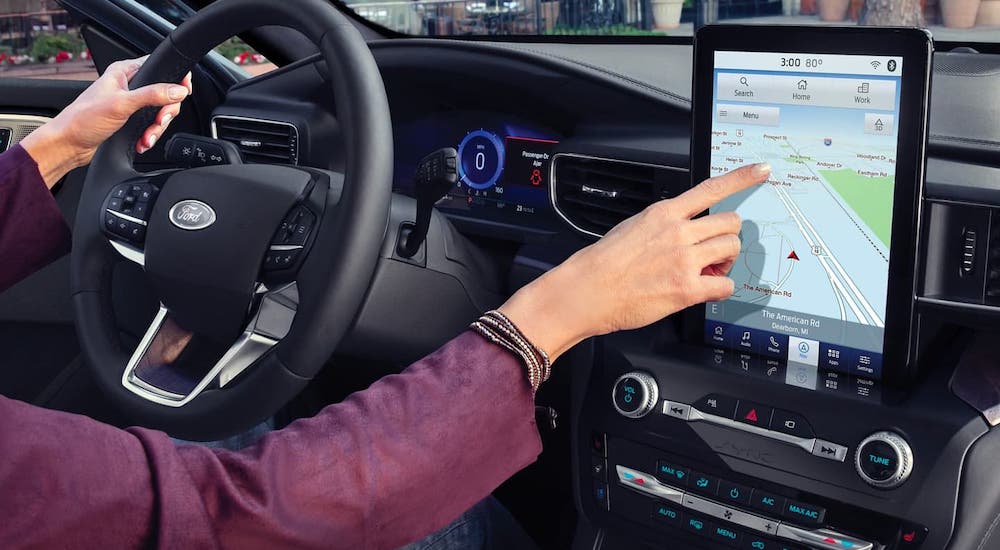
{"x": 812, "y": 280}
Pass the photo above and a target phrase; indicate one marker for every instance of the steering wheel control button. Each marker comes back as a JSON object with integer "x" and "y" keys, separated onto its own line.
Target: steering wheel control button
{"x": 676, "y": 410}
{"x": 127, "y": 210}
{"x": 804, "y": 514}
{"x": 734, "y": 493}
{"x": 635, "y": 394}
{"x": 830, "y": 451}
{"x": 704, "y": 483}
{"x": 717, "y": 405}
{"x": 768, "y": 503}
{"x": 671, "y": 474}
{"x": 791, "y": 424}
{"x": 884, "y": 460}
{"x": 753, "y": 414}
{"x": 191, "y": 151}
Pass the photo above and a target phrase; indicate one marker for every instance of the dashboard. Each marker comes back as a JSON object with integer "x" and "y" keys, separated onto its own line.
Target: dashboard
{"x": 777, "y": 430}
{"x": 503, "y": 164}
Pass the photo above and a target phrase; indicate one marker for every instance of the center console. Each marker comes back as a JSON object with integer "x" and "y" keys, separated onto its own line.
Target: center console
{"x": 814, "y": 408}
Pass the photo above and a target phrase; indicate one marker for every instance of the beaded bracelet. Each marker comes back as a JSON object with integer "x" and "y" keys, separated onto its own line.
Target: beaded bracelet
{"x": 498, "y": 329}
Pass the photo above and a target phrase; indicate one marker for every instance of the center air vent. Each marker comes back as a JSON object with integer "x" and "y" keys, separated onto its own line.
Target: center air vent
{"x": 595, "y": 194}
{"x": 259, "y": 141}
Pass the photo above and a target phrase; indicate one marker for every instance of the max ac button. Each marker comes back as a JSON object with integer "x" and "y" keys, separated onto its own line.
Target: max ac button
{"x": 804, "y": 514}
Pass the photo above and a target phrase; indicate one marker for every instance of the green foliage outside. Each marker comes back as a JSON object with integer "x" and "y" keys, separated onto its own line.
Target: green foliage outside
{"x": 46, "y": 46}
{"x": 232, "y": 48}
{"x": 615, "y": 30}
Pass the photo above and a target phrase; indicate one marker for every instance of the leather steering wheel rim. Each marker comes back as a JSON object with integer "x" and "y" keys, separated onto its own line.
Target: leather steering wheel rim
{"x": 335, "y": 277}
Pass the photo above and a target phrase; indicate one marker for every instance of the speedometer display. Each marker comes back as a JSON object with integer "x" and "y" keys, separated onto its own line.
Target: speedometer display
{"x": 503, "y": 166}
{"x": 480, "y": 161}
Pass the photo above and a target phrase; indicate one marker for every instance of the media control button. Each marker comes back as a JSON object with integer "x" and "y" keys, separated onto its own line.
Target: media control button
{"x": 733, "y": 493}
{"x": 791, "y": 424}
{"x": 829, "y": 451}
{"x": 884, "y": 460}
{"x": 753, "y": 414}
{"x": 726, "y": 535}
{"x": 704, "y": 483}
{"x": 769, "y": 503}
{"x": 805, "y": 514}
{"x": 676, "y": 410}
{"x": 668, "y": 514}
{"x": 635, "y": 394}
{"x": 717, "y": 405}
{"x": 671, "y": 474}
{"x": 911, "y": 536}
{"x": 698, "y": 525}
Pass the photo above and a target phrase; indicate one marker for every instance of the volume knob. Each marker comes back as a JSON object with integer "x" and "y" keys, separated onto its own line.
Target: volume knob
{"x": 635, "y": 394}
{"x": 884, "y": 460}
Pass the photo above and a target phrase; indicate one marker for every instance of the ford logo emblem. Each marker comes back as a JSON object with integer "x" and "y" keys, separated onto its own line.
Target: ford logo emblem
{"x": 192, "y": 215}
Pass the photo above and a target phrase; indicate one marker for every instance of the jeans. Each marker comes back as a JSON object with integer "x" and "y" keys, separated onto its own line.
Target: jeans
{"x": 485, "y": 526}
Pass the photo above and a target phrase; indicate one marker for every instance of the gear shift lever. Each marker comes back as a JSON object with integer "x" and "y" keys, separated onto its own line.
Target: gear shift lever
{"x": 437, "y": 173}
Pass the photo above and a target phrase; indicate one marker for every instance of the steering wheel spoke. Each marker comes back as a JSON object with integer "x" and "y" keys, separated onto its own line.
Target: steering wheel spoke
{"x": 157, "y": 370}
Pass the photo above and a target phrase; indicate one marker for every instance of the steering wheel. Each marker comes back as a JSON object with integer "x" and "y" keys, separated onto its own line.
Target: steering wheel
{"x": 264, "y": 267}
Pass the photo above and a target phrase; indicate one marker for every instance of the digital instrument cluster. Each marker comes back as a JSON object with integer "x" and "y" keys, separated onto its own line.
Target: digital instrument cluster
{"x": 503, "y": 167}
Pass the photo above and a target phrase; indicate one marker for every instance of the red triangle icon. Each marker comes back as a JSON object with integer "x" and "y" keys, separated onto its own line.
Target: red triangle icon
{"x": 752, "y": 415}
{"x": 793, "y": 256}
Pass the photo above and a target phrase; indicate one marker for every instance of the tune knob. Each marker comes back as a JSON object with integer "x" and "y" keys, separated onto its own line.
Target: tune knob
{"x": 884, "y": 460}
{"x": 635, "y": 394}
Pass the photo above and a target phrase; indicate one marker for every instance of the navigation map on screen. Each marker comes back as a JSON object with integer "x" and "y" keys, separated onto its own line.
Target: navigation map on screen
{"x": 812, "y": 278}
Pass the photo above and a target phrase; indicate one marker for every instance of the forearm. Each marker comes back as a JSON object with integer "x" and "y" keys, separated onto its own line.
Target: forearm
{"x": 50, "y": 149}
{"x": 385, "y": 467}
{"x": 32, "y": 229}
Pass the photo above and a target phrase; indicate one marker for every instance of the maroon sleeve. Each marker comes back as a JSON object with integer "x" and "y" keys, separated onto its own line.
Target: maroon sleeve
{"x": 387, "y": 466}
{"x": 32, "y": 230}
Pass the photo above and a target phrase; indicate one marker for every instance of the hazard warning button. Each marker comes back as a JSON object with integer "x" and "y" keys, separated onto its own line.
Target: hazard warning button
{"x": 754, "y": 414}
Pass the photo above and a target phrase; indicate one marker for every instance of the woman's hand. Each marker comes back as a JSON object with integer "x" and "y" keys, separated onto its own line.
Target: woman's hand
{"x": 654, "y": 264}
{"x": 71, "y": 138}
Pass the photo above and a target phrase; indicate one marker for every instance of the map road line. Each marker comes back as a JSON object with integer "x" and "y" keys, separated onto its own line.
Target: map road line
{"x": 838, "y": 285}
{"x": 847, "y": 279}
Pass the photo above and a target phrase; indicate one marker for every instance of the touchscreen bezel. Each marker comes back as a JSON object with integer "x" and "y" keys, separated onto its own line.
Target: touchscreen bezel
{"x": 916, "y": 48}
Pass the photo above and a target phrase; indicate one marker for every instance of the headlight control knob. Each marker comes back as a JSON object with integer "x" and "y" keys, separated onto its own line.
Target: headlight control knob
{"x": 635, "y": 394}
{"x": 884, "y": 460}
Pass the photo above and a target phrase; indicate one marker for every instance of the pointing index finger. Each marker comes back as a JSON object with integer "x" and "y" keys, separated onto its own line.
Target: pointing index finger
{"x": 700, "y": 197}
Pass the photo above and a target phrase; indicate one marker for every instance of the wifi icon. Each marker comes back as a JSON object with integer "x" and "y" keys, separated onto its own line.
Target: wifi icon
{"x": 876, "y": 64}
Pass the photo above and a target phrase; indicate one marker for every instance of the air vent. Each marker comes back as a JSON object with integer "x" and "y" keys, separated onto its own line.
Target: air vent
{"x": 595, "y": 194}
{"x": 259, "y": 141}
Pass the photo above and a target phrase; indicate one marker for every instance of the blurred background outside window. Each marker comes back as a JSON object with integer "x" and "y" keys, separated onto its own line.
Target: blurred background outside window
{"x": 38, "y": 39}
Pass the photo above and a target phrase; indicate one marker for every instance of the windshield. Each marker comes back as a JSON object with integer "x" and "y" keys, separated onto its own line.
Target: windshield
{"x": 949, "y": 20}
